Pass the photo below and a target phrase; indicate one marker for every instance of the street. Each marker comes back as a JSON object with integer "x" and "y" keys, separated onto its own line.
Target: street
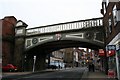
{"x": 65, "y": 74}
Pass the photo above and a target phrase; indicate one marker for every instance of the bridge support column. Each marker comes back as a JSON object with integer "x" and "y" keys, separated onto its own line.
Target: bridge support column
{"x": 19, "y": 44}
{"x": 40, "y": 62}
{"x": 19, "y": 50}
{"x": 28, "y": 63}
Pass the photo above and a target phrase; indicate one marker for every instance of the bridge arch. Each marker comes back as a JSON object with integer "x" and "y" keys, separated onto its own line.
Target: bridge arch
{"x": 66, "y": 43}
{"x": 41, "y": 50}
{"x": 43, "y": 40}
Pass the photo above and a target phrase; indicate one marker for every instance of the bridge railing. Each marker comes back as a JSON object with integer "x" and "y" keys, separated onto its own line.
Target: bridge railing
{"x": 95, "y": 22}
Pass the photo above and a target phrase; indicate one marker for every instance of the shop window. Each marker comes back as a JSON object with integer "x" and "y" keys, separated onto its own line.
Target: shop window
{"x": 119, "y": 45}
{"x": 112, "y": 63}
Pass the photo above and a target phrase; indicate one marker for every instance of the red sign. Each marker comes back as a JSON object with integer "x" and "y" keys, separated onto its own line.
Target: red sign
{"x": 110, "y": 52}
{"x": 101, "y": 52}
{"x": 111, "y": 74}
{"x": 58, "y": 36}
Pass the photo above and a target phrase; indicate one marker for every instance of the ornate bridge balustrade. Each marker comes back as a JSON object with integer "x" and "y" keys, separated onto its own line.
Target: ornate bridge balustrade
{"x": 96, "y": 22}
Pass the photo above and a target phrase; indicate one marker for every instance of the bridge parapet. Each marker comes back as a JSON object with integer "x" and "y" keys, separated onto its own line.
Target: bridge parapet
{"x": 74, "y": 25}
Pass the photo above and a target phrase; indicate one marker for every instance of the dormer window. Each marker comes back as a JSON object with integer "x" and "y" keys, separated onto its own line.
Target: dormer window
{"x": 107, "y": 2}
{"x": 104, "y": 7}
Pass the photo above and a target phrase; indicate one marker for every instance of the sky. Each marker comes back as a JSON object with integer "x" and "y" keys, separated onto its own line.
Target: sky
{"x": 37, "y": 13}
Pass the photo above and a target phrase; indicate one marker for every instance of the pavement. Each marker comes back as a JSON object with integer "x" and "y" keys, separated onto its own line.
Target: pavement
{"x": 22, "y": 74}
{"x": 11, "y": 74}
{"x": 97, "y": 75}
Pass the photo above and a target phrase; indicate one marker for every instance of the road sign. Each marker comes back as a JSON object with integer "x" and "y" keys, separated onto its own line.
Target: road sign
{"x": 111, "y": 47}
{"x": 111, "y": 53}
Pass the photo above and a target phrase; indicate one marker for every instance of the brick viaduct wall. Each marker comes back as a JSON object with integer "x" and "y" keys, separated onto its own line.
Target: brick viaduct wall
{"x": 8, "y": 33}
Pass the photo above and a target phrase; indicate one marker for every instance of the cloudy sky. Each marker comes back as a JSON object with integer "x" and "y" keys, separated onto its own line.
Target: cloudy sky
{"x": 44, "y": 12}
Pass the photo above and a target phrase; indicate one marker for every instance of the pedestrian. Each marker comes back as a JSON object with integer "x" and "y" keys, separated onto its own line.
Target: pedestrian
{"x": 65, "y": 66}
{"x": 89, "y": 66}
{"x": 93, "y": 67}
{"x": 59, "y": 66}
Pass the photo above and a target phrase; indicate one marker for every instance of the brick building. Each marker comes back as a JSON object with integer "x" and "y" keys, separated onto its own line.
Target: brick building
{"x": 8, "y": 33}
{"x": 111, "y": 21}
{"x": 68, "y": 57}
{"x": 57, "y": 58}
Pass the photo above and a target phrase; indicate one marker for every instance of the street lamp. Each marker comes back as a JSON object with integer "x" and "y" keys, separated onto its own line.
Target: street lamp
{"x": 34, "y": 63}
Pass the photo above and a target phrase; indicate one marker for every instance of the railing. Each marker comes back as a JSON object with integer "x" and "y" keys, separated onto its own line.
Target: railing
{"x": 96, "y": 22}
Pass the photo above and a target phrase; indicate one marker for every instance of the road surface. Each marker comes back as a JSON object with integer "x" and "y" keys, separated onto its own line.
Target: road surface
{"x": 66, "y": 74}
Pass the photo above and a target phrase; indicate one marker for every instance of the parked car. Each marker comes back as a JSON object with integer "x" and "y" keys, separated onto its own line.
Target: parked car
{"x": 9, "y": 68}
{"x": 52, "y": 67}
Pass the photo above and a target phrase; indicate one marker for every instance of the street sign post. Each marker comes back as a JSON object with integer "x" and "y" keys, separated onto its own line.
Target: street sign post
{"x": 34, "y": 63}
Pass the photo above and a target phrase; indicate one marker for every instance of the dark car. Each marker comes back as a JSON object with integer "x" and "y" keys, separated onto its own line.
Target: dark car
{"x": 9, "y": 68}
{"x": 52, "y": 67}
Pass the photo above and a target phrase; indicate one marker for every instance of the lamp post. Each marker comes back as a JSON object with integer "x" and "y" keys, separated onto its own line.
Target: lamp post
{"x": 34, "y": 63}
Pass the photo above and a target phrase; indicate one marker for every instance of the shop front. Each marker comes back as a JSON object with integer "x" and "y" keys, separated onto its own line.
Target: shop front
{"x": 112, "y": 68}
{"x": 113, "y": 54}
{"x": 118, "y": 64}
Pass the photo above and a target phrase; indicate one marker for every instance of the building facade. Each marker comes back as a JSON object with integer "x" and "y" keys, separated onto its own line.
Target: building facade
{"x": 57, "y": 58}
{"x": 72, "y": 57}
{"x": 111, "y": 21}
{"x": 68, "y": 57}
{"x": 8, "y": 33}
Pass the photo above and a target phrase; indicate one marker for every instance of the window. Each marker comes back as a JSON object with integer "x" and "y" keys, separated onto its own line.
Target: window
{"x": 110, "y": 24}
{"x": 117, "y": 15}
{"x": 104, "y": 6}
{"x": 107, "y": 2}
{"x": 106, "y": 32}
{"x": 114, "y": 15}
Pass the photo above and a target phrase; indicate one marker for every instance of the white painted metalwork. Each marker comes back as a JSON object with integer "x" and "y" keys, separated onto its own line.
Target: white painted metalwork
{"x": 65, "y": 26}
